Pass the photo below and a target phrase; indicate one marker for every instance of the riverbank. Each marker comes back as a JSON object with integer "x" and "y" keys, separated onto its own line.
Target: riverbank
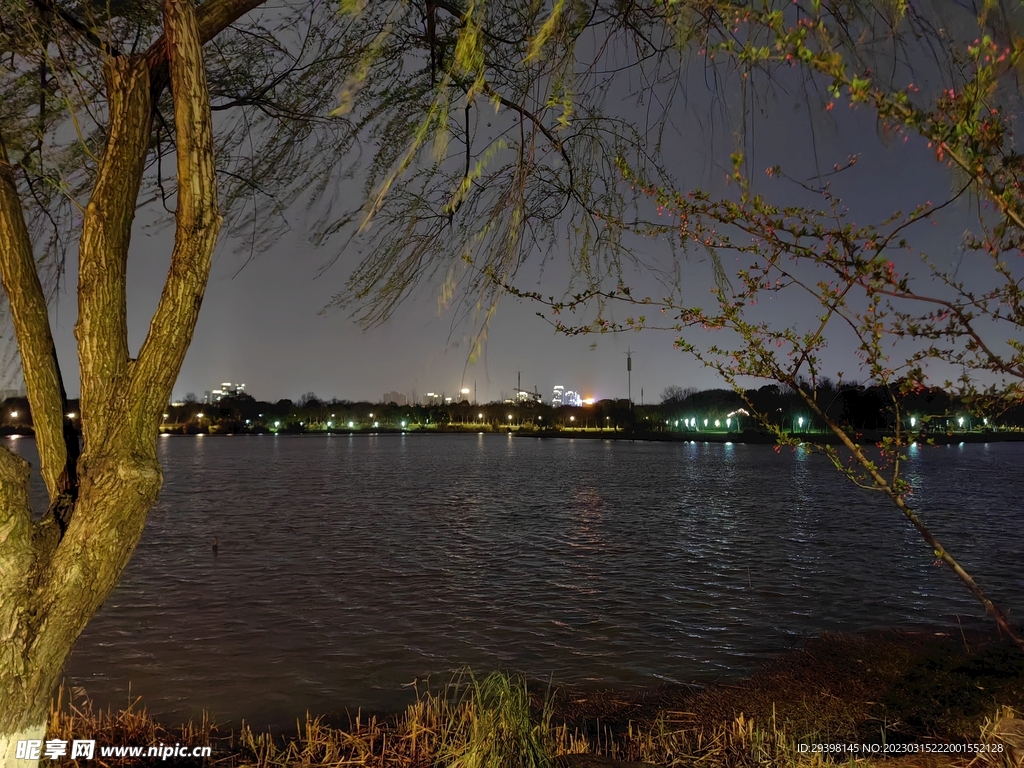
{"x": 898, "y": 691}
{"x": 750, "y": 437}
{"x": 754, "y": 437}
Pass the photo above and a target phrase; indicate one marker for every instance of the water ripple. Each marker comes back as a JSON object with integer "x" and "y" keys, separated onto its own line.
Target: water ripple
{"x": 349, "y": 567}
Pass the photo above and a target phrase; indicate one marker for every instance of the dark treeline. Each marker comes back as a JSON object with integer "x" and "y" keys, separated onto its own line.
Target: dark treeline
{"x": 857, "y": 407}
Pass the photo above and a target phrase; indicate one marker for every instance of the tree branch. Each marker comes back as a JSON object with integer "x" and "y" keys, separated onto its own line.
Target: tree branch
{"x": 32, "y": 328}
{"x": 212, "y": 18}
{"x": 102, "y": 327}
{"x": 16, "y": 555}
{"x": 880, "y": 483}
{"x": 197, "y": 219}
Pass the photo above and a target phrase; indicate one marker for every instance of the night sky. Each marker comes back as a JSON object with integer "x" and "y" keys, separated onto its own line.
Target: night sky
{"x": 266, "y": 324}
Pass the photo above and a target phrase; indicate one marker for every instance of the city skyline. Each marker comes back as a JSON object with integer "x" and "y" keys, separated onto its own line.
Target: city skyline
{"x": 237, "y": 339}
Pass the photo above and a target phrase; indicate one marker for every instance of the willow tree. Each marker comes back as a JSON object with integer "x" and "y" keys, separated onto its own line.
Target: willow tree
{"x": 57, "y": 570}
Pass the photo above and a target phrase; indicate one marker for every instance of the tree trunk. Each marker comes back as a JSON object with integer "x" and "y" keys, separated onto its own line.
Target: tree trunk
{"x": 57, "y": 572}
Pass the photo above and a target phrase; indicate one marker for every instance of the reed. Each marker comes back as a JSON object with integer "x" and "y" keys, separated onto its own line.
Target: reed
{"x": 73, "y": 716}
{"x": 495, "y": 723}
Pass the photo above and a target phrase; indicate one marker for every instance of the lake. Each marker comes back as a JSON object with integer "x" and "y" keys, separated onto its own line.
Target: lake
{"x": 350, "y": 566}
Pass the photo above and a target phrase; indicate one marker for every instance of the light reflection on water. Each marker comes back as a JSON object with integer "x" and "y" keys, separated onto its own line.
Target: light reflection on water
{"x": 350, "y": 566}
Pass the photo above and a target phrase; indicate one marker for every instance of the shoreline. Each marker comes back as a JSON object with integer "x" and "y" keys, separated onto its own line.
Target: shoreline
{"x": 748, "y": 437}
{"x": 893, "y": 686}
{"x": 751, "y": 437}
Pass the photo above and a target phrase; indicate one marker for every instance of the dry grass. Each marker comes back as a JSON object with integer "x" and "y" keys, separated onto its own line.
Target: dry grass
{"x": 490, "y": 724}
{"x": 73, "y": 716}
{"x": 836, "y": 689}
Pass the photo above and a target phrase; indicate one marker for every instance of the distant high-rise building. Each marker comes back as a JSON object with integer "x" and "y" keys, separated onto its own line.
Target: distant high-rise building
{"x": 227, "y": 389}
{"x": 572, "y": 398}
{"x": 395, "y": 397}
{"x": 524, "y": 396}
{"x": 557, "y": 396}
